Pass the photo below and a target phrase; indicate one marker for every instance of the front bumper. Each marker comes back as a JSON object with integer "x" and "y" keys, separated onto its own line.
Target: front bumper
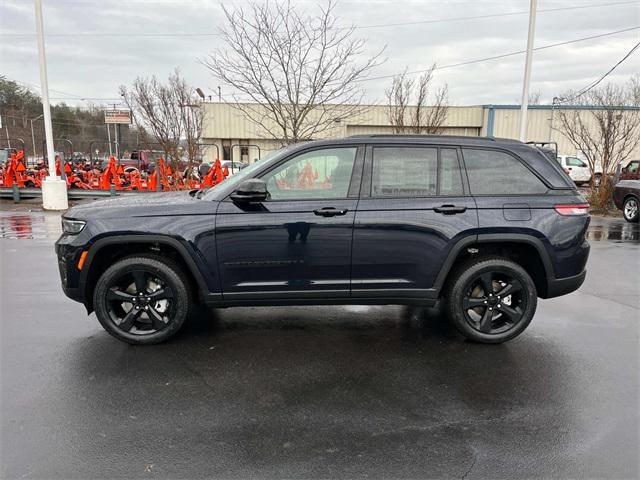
{"x": 68, "y": 250}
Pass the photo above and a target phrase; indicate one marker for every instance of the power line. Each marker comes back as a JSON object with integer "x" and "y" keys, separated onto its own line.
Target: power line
{"x": 509, "y": 14}
{"x": 381, "y": 25}
{"x": 595, "y": 83}
{"x": 504, "y": 55}
{"x": 453, "y": 65}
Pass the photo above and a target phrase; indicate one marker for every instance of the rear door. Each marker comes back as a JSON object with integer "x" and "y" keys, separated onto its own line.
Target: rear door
{"x": 414, "y": 206}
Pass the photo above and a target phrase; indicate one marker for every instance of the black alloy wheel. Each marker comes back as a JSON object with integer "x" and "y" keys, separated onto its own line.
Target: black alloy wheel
{"x": 491, "y": 299}
{"x": 139, "y": 302}
{"x": 142, "y": 299}
{"x": 494, "y": 303}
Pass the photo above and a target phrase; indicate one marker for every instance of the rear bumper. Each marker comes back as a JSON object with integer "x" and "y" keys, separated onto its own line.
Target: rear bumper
{"x": 557, "y": 287}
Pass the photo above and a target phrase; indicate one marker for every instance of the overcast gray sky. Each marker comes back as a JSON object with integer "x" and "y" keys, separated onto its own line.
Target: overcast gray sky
{"x": 94, "y": 46}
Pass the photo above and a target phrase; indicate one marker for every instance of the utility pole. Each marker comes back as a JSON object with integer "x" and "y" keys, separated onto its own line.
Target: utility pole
{"x": 527, "y": 71}
{"x": 116, "y": 131}
{"x": 33, "y": 137}
{"x": 109, "y": 139}
{"x": 54, "y": 190}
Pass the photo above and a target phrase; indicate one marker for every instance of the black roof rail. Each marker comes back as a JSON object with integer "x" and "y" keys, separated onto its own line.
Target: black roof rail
{"x": 422, "y": 135}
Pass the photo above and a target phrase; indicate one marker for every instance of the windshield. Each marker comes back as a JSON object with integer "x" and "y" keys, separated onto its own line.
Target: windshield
{"x": 247, "y": 172}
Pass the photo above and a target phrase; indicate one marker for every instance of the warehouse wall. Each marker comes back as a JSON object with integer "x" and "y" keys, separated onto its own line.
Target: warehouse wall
{"x": 540, "y": 126}
{"x": 225, "y": 125}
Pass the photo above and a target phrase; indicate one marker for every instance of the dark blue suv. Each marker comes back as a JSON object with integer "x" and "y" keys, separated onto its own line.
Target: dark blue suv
{"x": 484, "y": 225}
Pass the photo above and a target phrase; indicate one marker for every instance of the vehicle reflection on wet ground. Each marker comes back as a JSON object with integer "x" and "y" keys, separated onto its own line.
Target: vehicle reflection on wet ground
{"x": 30, "y": 225}
{"x": 613, "y": 230}
{"x": 319, "y": 392}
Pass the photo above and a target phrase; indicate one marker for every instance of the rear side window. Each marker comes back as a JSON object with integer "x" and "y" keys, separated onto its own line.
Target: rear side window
{"x": 404, "y": 172}
{"x": 492, "y": 172}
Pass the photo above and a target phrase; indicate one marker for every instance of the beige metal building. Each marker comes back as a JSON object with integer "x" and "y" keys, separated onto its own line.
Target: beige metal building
{"x": 237, "y": 138}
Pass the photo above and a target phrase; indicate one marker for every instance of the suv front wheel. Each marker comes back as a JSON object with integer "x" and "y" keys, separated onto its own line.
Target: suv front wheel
{"x": 142, "y": 299}
{"x": 491, "y": 300}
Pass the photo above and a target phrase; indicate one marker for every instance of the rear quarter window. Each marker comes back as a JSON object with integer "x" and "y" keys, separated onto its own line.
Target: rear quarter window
{"x": 492, "y": 172}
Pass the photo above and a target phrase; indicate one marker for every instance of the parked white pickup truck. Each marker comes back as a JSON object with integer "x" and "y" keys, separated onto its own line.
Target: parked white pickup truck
{"x": 578, "y": 169}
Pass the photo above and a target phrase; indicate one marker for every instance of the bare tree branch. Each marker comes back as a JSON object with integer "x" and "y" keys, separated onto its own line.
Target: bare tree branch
{"x": 298, "y": 75}
{"x": 606, "y": 133}
{"x": 419, "y": 117}
{"x": 169, "y": 111}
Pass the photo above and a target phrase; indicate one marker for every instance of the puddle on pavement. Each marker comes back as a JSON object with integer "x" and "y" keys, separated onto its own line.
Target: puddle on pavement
{"x": 29, "y": 226}
{"x": 617, "y": 232}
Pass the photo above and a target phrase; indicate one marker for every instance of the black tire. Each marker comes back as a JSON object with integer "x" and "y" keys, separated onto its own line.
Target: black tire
{"x": 146, "y": 281}
{"x": 490, "y": 318}
{"x": 631, "y": 209}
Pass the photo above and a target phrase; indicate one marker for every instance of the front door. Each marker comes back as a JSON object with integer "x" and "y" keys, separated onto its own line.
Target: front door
{"x": 297, "y": 243}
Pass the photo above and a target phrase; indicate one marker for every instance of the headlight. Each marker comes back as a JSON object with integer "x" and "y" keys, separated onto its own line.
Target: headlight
{"x": 72, "y": 226}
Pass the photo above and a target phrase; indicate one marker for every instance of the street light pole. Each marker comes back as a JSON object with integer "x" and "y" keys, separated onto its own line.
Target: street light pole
{"x": 54, "y": 190}
{"x": 527, "y": 71}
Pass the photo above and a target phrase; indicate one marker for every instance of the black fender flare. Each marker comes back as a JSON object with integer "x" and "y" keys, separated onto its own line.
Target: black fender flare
{"x": 182, "y": 250}
{"x": 493, "y": 238}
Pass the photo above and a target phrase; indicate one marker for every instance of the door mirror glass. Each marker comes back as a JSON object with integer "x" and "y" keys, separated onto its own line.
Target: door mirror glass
{"x": 253, "y": 190}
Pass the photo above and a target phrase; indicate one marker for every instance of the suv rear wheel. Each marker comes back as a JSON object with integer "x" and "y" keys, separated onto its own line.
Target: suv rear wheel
{"x": 491, "y": 300}
{"x": 142, "y": 299}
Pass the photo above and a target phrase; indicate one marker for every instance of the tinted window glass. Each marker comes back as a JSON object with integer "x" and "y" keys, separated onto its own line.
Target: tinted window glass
{"x": 633, "y": 167}
{"x": 575, "y": 162}
{"x": 450, "y": 178}
{"x": 404, "y": 172}
{"x": 318, "y": 174}
{"x": 498, "y": 173}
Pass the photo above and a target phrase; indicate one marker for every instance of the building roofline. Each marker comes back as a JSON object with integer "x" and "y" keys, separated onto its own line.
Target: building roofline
{"x": 558, "y": 107}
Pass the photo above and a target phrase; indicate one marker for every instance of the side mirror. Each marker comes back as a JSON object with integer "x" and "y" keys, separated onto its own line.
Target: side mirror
{"x": 253, "y": 190}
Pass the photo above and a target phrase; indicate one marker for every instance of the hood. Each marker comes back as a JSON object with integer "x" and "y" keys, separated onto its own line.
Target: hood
{"x": 141, "y": 205}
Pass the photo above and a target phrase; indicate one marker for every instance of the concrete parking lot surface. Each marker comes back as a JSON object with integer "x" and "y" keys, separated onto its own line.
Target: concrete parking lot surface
{"x": 319, "y": 392}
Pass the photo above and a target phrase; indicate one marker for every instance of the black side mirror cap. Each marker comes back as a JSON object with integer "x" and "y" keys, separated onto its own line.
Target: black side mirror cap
{"x": 253, "y": 190}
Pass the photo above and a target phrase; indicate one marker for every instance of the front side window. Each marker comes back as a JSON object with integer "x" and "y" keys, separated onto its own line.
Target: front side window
{"x": 575, "y": 162}
{"x": 404, "y": 172}
{"x": 492, "y": 172}
{"x": 633, "y": 167}
{"x": 317, "y": 174}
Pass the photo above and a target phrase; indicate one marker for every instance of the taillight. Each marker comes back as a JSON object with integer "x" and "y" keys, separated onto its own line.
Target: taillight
{"x": 567, "y": 171}
{"x": 571, "y": 210}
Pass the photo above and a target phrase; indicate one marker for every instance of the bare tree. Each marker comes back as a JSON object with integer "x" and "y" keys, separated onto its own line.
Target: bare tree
{"x": 170, "y": 112}
{"x": 607, "y": 133}
{"x": 301, "y": 73}
{"x": 634, "y": 87}
{"x": 398, "y": 99}
{"x": 419, "y": 117}
{"x": 535, "y": 98}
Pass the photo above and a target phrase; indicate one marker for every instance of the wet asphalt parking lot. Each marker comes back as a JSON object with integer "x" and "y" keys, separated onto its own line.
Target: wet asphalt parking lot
{"x": 319, "y": 392}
